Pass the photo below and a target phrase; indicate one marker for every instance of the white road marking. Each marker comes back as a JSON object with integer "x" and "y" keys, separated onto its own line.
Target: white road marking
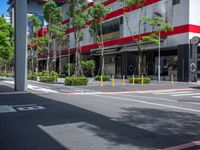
{"x": 164, "y": 90}
{"x": 15, "y": 108}
{"x": 26, "y": 108}
{"x": 148, "y": 97}
{"x": 164, "y": 99}
{"x": 6, "y": 109}
{"x": 189, "y": 94}
{"x": 174, "y": 92}
{"x": 10, "y": 82}
{"x": 150, "y": 103}
{"x": 196, "y": 96}
{"x": 35, "y": 88}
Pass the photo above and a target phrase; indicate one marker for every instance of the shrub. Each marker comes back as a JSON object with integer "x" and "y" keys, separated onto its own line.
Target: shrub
{"x": 32, "y": 76}
{"x": 54, "y": 74}
{"x": 43, "y": 73}
{"x": 3, "y": 74}
{"x": 88, "y": 67}
{"x": 47, "y": 79}
{"x": 105, "y": 78}
{"x": 138, "y": 80}
{"x": 68, "y": 66}
{"x": 76, "y": 81}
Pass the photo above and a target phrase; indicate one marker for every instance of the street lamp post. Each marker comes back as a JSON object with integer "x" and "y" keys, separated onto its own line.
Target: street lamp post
{"x": 159, "y": 57}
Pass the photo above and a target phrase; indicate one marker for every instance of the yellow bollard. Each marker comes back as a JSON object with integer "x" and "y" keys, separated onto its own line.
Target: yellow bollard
{"x": 142, "y": 81}
{"x": 123, "y": 80}
{"x": 133, "y": 78}
{"x": 172, "y": 79}
{"x": 113, "y": 80}
{"x": 101, "y": 82}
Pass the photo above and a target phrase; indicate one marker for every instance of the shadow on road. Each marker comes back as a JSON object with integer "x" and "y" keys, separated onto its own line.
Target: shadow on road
{"x": 143, "y": 128}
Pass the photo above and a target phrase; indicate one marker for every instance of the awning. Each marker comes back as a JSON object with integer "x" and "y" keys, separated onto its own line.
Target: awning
{"x": 107, "y": 51}
{"x": 133, "y": 47}
{"x": 124, "y": 48}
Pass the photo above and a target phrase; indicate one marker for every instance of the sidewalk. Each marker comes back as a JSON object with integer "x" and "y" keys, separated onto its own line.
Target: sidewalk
{"x": 5, "y": 87}
{"x": 154, "y": 85}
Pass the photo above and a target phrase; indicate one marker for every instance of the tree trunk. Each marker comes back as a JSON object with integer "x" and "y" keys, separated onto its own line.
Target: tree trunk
{"x": 139, "y": 64}
{"x": 102, "y": 52}
{"x": 5, "y": 69}
{"x": 49, "y": 47}
{"x": 78, "y": 70}
{"x": 60, "y": 61}
{"x": 48, "y": 57}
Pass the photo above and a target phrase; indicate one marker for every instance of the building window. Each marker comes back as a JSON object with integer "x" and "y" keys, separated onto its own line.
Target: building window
{"x": 111, "y": 29}
{"x": 176, "y": 2}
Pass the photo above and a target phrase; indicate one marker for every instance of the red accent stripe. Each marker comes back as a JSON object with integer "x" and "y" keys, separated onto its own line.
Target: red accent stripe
{"x": 177, "y": 30}
{"x": 66, "y": 21}
{"x": 120, "y": 12}
{"x": 106, "y": 3}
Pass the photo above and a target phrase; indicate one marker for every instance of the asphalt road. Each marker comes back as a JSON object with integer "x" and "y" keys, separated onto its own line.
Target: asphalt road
{"x": 65, "y": 118}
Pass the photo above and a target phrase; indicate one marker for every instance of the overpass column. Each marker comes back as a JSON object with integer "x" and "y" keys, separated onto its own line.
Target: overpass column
{"x": 20, "y": 45}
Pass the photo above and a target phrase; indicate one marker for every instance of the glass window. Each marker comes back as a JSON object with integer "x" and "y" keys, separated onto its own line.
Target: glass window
{"x": 176, "y": 2}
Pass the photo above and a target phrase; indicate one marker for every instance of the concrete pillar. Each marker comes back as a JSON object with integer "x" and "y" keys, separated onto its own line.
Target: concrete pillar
{"x": 20, "y": 45}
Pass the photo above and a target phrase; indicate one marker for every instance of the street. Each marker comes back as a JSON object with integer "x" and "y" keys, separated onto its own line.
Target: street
{"x": 90, "y": 119}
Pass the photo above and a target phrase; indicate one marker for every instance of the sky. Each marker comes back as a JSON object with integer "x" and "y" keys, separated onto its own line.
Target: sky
{"x": 3, "y": 6}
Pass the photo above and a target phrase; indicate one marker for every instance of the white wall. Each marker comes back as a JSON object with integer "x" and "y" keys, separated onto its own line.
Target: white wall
{"x": 178, "y": 15}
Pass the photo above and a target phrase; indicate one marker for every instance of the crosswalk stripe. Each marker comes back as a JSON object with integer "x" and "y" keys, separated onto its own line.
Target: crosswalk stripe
{"x": 189, "y": 94}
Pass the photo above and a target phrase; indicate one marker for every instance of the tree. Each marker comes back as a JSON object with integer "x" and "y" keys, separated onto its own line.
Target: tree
{"x": 6, "y": 41}
{"x": 53, "y": 16}
{"x": 61, "y": 39}
{"x": 129, "y": 6}
{"x": 35, "y": 25}
{"x": 79, "y": 18}
{"x": 97, "y": 13}
{"x": 160, "y": 25}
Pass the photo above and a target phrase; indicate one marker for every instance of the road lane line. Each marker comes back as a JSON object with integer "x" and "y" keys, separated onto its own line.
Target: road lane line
{"x": 148, "y": 97}
{"x": 150, "y": 103}
{"x": 195, "y": 96}
{"x": 164, "y": 99}
{"x": 190, "y": 94}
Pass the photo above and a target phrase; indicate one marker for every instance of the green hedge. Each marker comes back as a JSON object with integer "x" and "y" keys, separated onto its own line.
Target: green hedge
{"x": 3, "y": 74}
{"x": 47, "y": 79}
{"x": 32, "y": 77}
{"x": 76, "y": 81}
{"x": 105, "y": 78}
{"x": 88, "y": 67}
{"x": 138, "y": 80}
{"x": 44, "y": 77}
{"x": 54, "y": 74}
